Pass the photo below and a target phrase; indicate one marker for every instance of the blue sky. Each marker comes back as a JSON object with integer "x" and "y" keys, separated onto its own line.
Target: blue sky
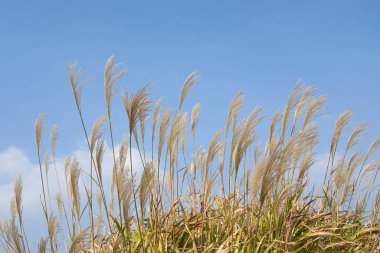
{"x": 258, "y": 47}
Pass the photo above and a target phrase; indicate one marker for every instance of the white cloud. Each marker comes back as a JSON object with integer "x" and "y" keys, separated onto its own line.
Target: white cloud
{"x": 14, "y": 162}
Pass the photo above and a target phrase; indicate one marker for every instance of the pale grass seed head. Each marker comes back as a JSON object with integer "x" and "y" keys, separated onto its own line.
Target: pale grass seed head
{"x": 53, "y": 229}
{"x": 74, "y": 75}
{"x": 112, "y": 195}
{"x": 194, "y": 118}
{"x": 80, "y": 242}
{"x": 216, "y": 144}
{"x": 342, "y": 121}
{"x": 47, "y": 163}
{"x": 183, "y": 128}
{"x": 59, "y": 200}
{"x": 256, "y": 154}
{"x": 18, "y": 185}
{"x": 38, "y": 127}
{"x": 100, "y": 150}
{"x": 305, "y": 99}
{"x": 269, "y": 170}
{"x": 142, "y": 128}
{"x": 197, "y": 158}
{"x": 164, "y": 124}
{"x": 209, "y": 185}
{"x": 339, "y": 173}
{"x": 284, "y": 192}
{"x": 306, "y": 164}
{"x": 13, "y": 208}
{"x": 127, "y": 195}
{"x": 67, "y": 163}
{"x": 355, "y": 160}
{"x": 76, "y": 85}
{"x": 293, "y": 100}
{"x": 99, "y": 202}
{"x": 316, "y": 106}
{"x": 16, "y": 238}
{"x": 357, "y": 135}
{"x": 121, "y": 180}
{"x": 53, "y": 139}
{"x": 233, "y": 111}
{"x": 173, "y": 138}
{"x": 275, "y": 119}
{"x": 97, "y": 131}
{"x": 372, "y": 148}
{"x": 137, "y": 107}
{"x": 74, "y": 185}
{"x": 236, "y": 133}
{"x": 306, "y": 139}
{"x": 111, "y": 76}
{"x": 189, "y": 82}
{"x": 371, "y": 166}
{"x": 247, "y": 135}
{"x": 147, "y": 184}
{"x": 221, "y": 157}
{"x": 42, "y": 245}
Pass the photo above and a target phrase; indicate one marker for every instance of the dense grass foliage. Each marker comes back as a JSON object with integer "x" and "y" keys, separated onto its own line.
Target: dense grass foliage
{"x": 231, "y": 196}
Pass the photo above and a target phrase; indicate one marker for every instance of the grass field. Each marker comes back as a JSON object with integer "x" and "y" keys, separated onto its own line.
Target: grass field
{"x": 233, "y": 195}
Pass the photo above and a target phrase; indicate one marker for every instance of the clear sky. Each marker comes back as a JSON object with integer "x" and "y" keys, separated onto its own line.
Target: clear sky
{"x": 258, "y": 47}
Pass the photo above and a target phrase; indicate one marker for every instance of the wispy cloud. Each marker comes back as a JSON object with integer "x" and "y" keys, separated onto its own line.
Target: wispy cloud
{"x": 14, "y": 161}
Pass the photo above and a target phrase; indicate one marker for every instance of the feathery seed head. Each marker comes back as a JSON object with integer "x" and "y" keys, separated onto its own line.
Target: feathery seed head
{"x": 67, "y": 163}
{"x": 38, "y": 130}
{"x": 342, "y": 121}
{"x": 316, "y": 106}
{"x": 18, "y": 195}
{"x": 74, "y": 186}
{"x": 293, "y": 100}
{"x": 183, "y": 128}
{"x": 100, "y": 150}
{"x": 80, "y": 241}
{"x": 156, "y": 110}
{"x": 53, "y": 229}
{"x": 357, "y": 135}
{"x": 164, "y": 125}
{"x": 233, "y": 110}
{"x": 42, "y": 245}
{"x": 194, "y": 118}
{"x": 305, "y": 99}
{"x": 189, "y": 82}
{"x": 76, "y": 85}
{"x": 53, "y": 138}
{"x": 137, "y": 106}
{"x": 147, "y": 184}
{"x": 97, "y": 131}
{"x": 59, "y": 199}
{"x": 110, "y": 78}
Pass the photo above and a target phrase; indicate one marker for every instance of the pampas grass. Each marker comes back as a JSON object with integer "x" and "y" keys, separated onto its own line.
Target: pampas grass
{"x": 178, "y": 203}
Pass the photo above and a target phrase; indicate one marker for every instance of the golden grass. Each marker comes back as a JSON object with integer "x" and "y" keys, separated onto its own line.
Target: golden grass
{"x": 180, "y": 204}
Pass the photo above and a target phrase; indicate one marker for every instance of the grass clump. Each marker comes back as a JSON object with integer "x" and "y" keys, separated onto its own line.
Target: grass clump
{"x": 214, "y": 199}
